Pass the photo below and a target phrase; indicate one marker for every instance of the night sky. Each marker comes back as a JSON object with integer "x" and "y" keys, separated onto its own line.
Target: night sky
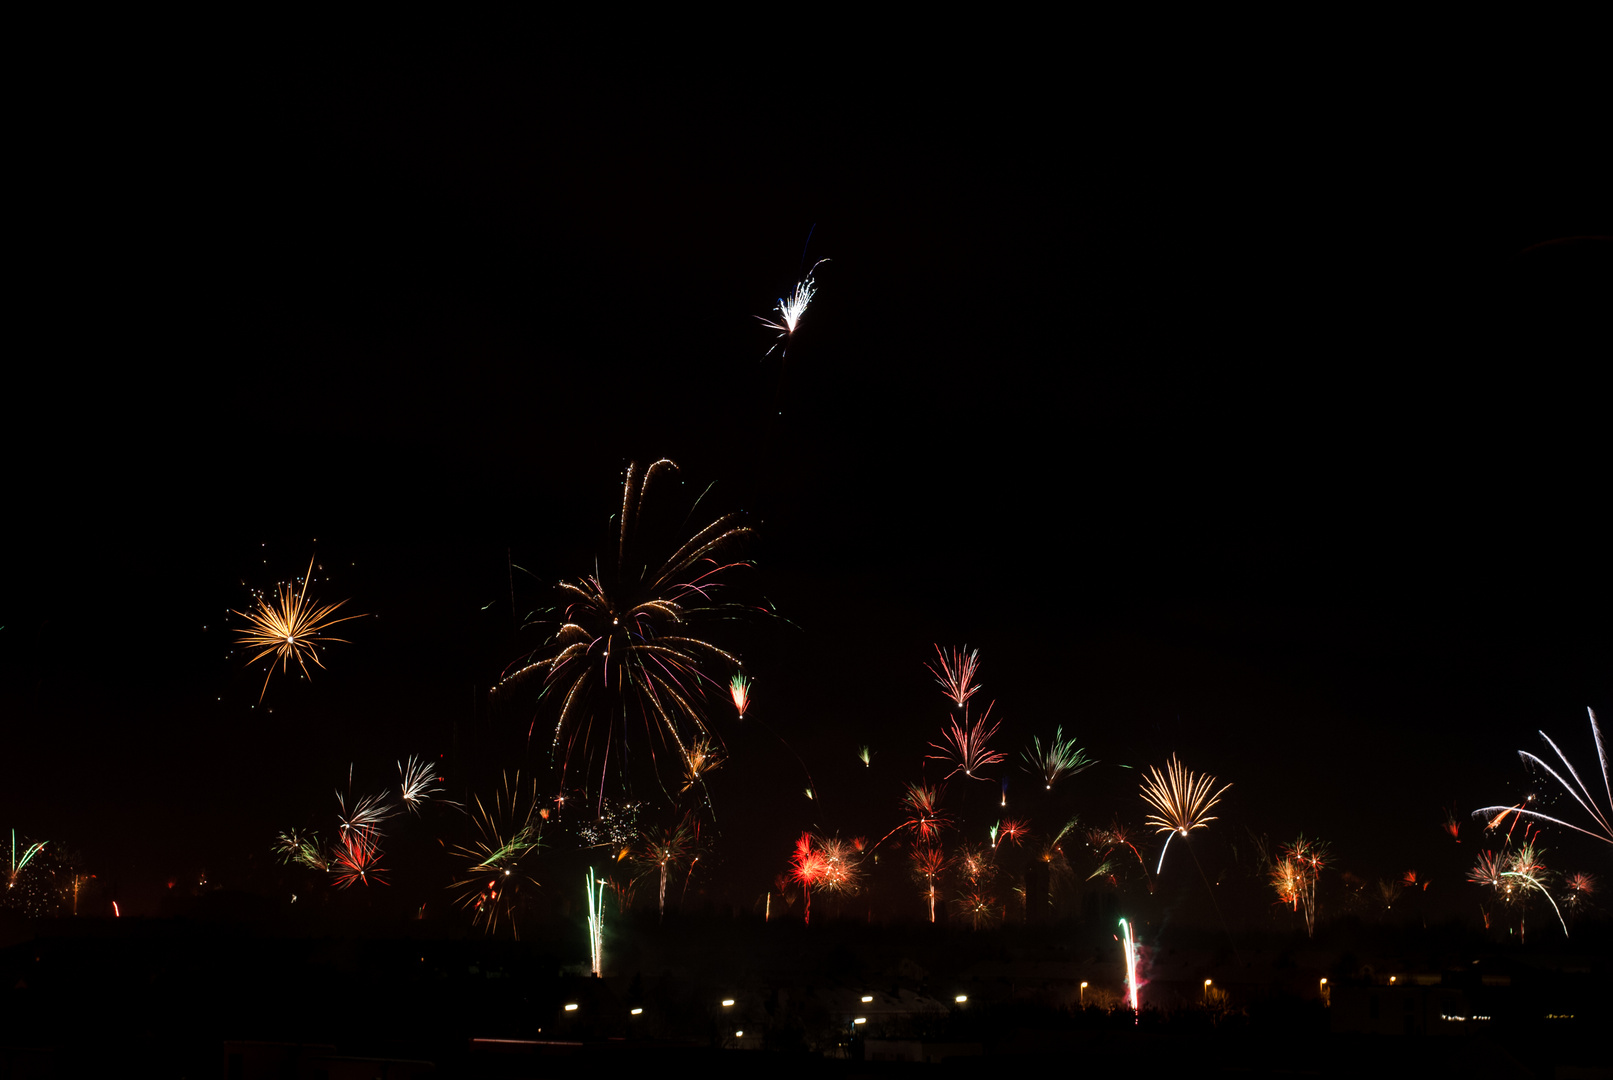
{"x": 1264, "y": 428}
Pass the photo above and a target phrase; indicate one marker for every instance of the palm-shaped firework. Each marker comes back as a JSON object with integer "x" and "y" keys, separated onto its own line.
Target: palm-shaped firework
{"x": 1061, "y": 758}
{"x": 1182, "y": 801}
{"x": 790, "y": 310}
{"x": 628, "y": 652}
{"x": 663, "y": 852}
{"x": 290, "y": 627}
{"x": 967, "y": 744}
{"x": 1577, "y": 790}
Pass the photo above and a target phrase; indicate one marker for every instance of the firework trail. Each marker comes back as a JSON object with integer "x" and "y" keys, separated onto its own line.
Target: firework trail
{"x": 1061, "y": 758}
{"x": 493, "y": 875}
{"x": 596, "y": 924}
{"x": 928, "y": 862}
{"x": 1577, "y": 790}
{"x": 703, "y": 757}
{"x": 627, "y": 650}
{"x": 290, "y": 628}
{"x": 739, "y": 690}
{"x": 1130, "y": 948}
{"x": 1182, "y": 802}
{"x": 866, "y": 756}
{"x": 790, "y": 310}
{"x": 1452, "y": 827}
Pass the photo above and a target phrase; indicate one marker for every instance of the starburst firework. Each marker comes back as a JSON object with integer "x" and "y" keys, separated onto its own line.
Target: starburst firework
{"x": 493, "y": 871}
{"x": 967, "y": 745}
{"x": 290, "y": 628}
{"x": 627, "y": 652}
{"x": 1182, "y": 801}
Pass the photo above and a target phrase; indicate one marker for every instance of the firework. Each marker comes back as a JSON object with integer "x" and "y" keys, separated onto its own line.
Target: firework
{"x": 626, "y": 652}
{"x": 1130, "y": 954}
{"x": 1295, "y": 873}
{"x": 290, "y": 628}
{"x": 924, "y": 811}
{"x": 596, "y": 924}
{"x": 967, "y": 745}
{"x": 1583, "y": 796}
{"x": 1487, "y": 870}
{"x": 18, "y": 865}
{"x": 739, "y": 691}
{"x": 616, "y": 827}
{"x": 416, "y": 783}
{"x": 1182, "y": 802}
{"x": 702, "y": 757}
{"x": 866, "y": 756}
{"x": 663, "y": 852}
{"x": 807, "y": 868}
{"x": 366, "y": 815}
{"x": 1579, "y": 888}
{"x": 1061, "y": 758}
{"x": 842, "y": 870}
{"x": 507, "y": 834}
{"x": 928, "y": 862}
{"x": 790, "y": 311}
{"x": 356, "y": 858}
{"x": 956, "y": 674}
{"x": 1452, "y": 827}
{"x": 303, "y": 848}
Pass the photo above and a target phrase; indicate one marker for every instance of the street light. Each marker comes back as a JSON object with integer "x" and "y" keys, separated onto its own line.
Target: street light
{"x": 1083, "y": 994}
{"x": 1206, "y": 991}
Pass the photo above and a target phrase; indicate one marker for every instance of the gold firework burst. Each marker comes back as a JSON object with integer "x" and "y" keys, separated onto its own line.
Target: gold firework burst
{"x": 1183, "y": 800}
{"x": 290, "y": 628}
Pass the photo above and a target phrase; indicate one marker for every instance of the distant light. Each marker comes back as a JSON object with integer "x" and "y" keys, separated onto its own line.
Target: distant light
{"x": 1206, "y": 982}
{"x": 867, "y": 998}
{"x": 637, "y": 1011}
{"x": 1083, "y": 986}
{"x": 860, "y": 1020}
{"x": 571, "y": 1007}
{"x": 1391, "y": 980}
{"x": 1324, "y": 982}
{"x": 739, "y": 1034}
{"x": 961, "y": 998}
{"x": 726, "y": 1002}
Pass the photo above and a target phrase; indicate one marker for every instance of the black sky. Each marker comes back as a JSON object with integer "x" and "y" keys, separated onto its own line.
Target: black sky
{"x": 1259, "y": 426}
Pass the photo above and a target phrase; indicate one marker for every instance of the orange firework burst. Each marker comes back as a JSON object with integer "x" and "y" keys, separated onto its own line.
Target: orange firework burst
{"x": 739, "y": 690}
{"x": 291, "y": 628}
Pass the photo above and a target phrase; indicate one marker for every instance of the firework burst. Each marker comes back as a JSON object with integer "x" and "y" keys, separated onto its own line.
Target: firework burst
{"x": 1061, "y": 758}
{"x": 663, "y": 852}
{"x": 1577, "y": 790}
{"x": 790, "y": 310}
{"x": 955, "y": 674}
{"x": 493, "y": 874}
{"x": 928, "y": 863}
{"x": 1295, "y": 873}
{"x": 18, "y": 864}
{"x": 302, "y": 848}
{"x": 627, "y": 654}
{"x": 416, "y": 780}
{"x": 356, "y": 859}
{"x": 739, "y": 691}
{"x": 967, "y": 745}
{"x": 1182, "y": 801}
{"x": 290, "y": 628}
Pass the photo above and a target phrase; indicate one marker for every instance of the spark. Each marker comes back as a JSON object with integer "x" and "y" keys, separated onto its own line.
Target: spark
{"x": 1295, "y": 873}
{"x": 1183, "y": 801}
{"x": 291, "y": 628}
{"x": 702, "y": 757}
{"x": 1061, "y": 758}
{"x": 866, "y": 756}
{"x": 739, "y": 690}
{"x": 790, "y": 311}
{"x": 628, "y": 643}
{"x": 1583, "y": 796}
